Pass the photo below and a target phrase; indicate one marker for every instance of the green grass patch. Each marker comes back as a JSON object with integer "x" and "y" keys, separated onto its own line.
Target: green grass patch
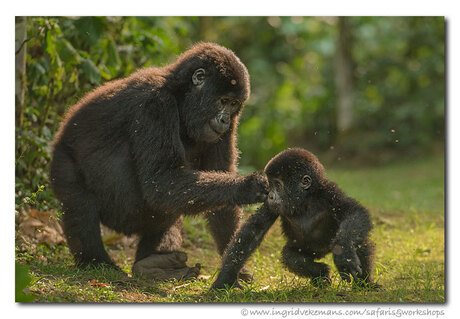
{"x": 406, "y": 201}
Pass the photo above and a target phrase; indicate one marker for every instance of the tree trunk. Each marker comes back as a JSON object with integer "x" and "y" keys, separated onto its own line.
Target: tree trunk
{"x": 344, "y": 77}
{"x": 20, "y": 76}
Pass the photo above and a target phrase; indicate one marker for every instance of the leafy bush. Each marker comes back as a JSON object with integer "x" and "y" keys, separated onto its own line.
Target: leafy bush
{"x": 398, "y": 81}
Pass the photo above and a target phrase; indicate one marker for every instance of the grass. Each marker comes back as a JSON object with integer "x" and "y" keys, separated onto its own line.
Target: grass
{"x": 406, "y": 201}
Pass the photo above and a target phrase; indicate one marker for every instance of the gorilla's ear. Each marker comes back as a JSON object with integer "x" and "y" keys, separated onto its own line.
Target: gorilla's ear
{"x": 198, "y": 77}
{"x": 306, "y": 182}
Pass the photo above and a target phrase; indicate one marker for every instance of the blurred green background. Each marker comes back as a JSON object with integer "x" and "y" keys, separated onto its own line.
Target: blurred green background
{"x": 358, "y": 91}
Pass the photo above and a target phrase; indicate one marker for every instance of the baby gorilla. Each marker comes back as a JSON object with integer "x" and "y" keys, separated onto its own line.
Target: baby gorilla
{"x": 317, "y": 218}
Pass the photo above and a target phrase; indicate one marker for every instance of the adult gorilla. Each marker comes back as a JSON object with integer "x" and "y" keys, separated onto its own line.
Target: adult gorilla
{"x": 136, "y": 154}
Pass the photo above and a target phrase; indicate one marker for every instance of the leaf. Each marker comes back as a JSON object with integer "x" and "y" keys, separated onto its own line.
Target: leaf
{"x": 22, "y": 280}
{"x": 40, "y": 227}
{"x": 91, "y": 71}
{"x": 113, "y": 58}
{"x": 39, "y": 68}
{"x": 57, "y": 69}
{"x": 51, "y": 43}
{"x": 73, "y": 76}
{"x": 421, "y": 251}
{"x": 91, "y": 29}
{"x": 67, "y": 52}
{"x": 96, "y": 283}
{"x": 105, "y": 72}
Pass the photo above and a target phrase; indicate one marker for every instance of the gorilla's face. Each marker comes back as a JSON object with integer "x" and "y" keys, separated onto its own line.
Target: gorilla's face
{"x": 289, "y": 185}
{"x": 225, "y": 111}
{"x": 277, "y": 198}
{"x": 209, "y": 110}
{"x": 293, "y": 175}
{"x": 287, "y": 192}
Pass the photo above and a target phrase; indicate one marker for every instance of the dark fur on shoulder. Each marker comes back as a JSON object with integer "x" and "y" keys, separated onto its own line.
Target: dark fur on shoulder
{"x": 317, "y": 218}
{"x": 138, "y": 153}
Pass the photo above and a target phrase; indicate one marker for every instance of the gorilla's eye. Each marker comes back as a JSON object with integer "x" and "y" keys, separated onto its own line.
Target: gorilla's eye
{"x": 235, "y": 104}
{"x": 277, "y": 184}
{"x": 224, "y": 100}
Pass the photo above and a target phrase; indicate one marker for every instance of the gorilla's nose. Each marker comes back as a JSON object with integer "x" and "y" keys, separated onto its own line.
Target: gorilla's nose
{"x": 221, "y": 123}
{"x": 224, "y": 119}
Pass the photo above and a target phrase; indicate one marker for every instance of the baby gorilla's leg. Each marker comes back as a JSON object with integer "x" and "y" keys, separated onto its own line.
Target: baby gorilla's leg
{"x": 303, "y": 264}
{"x": 165, "y": 266}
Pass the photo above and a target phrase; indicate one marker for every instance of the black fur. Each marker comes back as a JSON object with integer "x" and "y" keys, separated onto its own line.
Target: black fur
{"x": 316, "y": 217}
{"x": 138, "y": 153}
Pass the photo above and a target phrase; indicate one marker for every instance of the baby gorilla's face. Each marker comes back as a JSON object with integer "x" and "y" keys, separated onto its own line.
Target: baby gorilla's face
{"x": 284, "y": 194}
{"x": 277, "y": 199}
{"x": 292, "y": 175}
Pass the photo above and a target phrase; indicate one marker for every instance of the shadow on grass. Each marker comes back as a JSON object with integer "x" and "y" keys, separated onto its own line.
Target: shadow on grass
{"x": 67, "y": 283}
{"x": 310, "y": 294}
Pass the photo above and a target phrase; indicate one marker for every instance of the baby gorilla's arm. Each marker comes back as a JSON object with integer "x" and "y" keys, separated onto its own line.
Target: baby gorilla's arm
{"x": 352, "y": 234}
{"x": 243, "y": 245}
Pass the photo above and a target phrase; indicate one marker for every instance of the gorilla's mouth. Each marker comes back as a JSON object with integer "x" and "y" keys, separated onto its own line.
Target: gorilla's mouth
{"x": 214, "y": 130}
{"x": 210, "y": 134}
{"x": 218, "y": 128}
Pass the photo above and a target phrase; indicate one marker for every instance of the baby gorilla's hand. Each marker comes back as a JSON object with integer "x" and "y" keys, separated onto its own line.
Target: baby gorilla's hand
{"x": 348, "y": 265}
{"x": 253, "y": 189}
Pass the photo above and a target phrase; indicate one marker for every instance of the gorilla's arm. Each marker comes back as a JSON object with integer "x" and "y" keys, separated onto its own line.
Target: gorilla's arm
{"x": 165, "y": 180}
{"x": 193, "y": 192}
{"x": 352, "y": 234}
{"x": 243, "y": 245}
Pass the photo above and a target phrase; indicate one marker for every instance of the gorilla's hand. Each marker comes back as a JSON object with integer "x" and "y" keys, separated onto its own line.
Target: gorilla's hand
{"x": 348, "y": 265}
{"x": 253, "y": 189}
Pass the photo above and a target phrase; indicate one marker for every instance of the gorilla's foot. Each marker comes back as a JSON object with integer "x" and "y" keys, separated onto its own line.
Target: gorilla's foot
{"x": 166, "y": 266}
{"x": 245, "y": 275}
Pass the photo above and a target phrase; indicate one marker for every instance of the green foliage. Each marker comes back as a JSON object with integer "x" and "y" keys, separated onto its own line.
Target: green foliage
{"x": 22, "y": 281}
{"x": 66, "y": 57}
{"x": 398, "y": 81}
{"x": 33, "y": 199}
